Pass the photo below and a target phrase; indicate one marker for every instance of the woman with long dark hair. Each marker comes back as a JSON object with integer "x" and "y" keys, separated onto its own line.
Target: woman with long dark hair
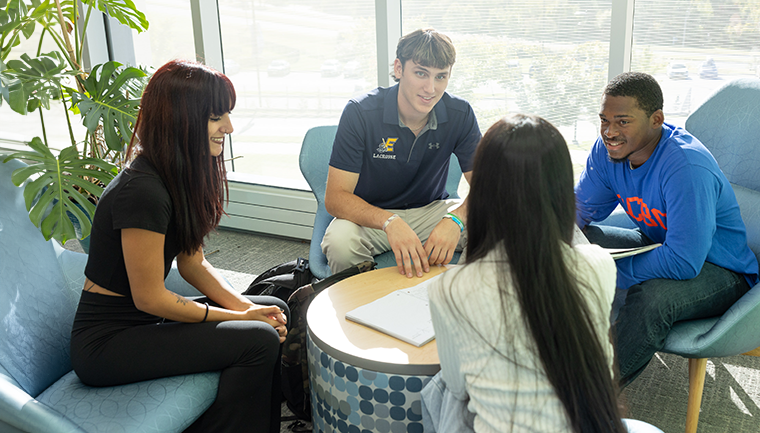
{"x": 522, "y": 328}
{"x": 128, "y": 326}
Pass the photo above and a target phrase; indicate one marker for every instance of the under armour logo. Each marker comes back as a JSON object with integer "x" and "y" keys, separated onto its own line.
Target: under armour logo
{"x": 434, "y": 145}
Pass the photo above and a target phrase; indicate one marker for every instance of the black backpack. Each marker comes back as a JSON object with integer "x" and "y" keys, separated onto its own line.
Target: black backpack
{"x": 292, "y": 282}
{"x": 281, "y": 280}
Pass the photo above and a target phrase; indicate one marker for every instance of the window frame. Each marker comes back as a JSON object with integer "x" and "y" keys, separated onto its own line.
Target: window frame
{"x": 289, "y": 212}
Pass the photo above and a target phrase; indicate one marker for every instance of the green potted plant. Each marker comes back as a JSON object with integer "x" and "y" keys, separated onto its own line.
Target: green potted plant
{"x": 64, "y": 186}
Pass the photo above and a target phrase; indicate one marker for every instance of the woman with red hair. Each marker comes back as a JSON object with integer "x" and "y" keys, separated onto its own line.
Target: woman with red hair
{"x": 128, "y": 326}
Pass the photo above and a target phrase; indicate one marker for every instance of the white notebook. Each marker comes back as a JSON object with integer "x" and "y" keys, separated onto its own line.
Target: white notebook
{"x": 616, "y": 253}
{"x": 403, "y": 314}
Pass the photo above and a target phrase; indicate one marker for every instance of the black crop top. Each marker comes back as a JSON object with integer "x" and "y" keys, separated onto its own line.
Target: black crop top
{"x": 136, "y": 198}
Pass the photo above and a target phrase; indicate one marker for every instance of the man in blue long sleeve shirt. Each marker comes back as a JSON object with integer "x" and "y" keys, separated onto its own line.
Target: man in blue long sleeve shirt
{"x": 672, "y": 188}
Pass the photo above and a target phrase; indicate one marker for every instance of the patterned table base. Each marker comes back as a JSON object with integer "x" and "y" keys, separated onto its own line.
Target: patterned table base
{"x": 348, "y": 399}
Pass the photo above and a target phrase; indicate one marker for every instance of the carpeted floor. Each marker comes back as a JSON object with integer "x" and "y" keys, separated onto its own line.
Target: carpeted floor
{"x": 730, "y": 403}
{"x": 731, "y": 400}
{"x": 239, "y": 256}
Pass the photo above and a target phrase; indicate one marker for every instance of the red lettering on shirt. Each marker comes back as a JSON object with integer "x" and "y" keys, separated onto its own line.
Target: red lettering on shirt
{"x": 639, "y": 211}
{"x": 657, "y": 214}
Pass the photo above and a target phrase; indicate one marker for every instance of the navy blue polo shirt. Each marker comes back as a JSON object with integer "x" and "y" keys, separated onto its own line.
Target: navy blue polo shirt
{"x": 396, "y": 169}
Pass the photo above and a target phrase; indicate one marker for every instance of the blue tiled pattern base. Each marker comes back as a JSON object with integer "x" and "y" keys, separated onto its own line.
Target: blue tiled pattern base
{"x": 348, "y": 399}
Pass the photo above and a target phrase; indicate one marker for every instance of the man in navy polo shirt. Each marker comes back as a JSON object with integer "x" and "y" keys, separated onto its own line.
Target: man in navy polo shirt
{"x": 386, "y": 184}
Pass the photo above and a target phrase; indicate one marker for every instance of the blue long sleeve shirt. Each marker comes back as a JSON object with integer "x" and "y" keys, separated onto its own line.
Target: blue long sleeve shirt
{"x": 678, "y": 197}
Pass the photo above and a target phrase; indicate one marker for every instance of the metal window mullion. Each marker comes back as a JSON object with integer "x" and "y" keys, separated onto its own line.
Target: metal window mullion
{"x": 207, "y": 33}
{"x": 388, "y": 25}
{"x": 95, "y": 50}
{"x": 621, "y": 37}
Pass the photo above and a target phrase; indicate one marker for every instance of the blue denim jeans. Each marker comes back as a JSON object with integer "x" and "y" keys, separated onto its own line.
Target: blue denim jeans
{"x": 650, "y": 309}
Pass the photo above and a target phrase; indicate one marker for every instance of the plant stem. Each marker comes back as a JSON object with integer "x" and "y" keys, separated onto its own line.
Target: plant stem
{"x": 42, "y": 122}
{"x": 42, "y": 37}
{"x": 68, "y": 120}
{"x": 84, "y": 29}
{"x": 77, "y": 50}
{"x": 65, "y": 32}
{"x": 60, "y": 44}
{"x": 95, "y": 149}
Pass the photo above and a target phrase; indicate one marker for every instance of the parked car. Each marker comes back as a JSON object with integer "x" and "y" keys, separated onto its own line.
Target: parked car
{"x": 535, "y": 70}
{"x": 708, "y": 69}
{"x": 278, "y": 68}
{"x": 330, "y": 68}
{"x": 677, "y": 70}
{"x": 352, "y": 69}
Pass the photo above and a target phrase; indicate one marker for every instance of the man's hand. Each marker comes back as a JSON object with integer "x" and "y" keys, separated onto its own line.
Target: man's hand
{"x": 407, "y": 248}
{"x": 442, "y": 242}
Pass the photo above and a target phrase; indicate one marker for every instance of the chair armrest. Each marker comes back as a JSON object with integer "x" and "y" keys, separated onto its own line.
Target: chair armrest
{"x": 735, "y": 332}
{"x": 18, "y": 409}
{"x": 317, "y": 260}
{"x": 72, "y": 266}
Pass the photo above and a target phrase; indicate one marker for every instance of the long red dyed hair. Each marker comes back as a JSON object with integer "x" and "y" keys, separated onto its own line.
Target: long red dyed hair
{"x": 171, "y": 132}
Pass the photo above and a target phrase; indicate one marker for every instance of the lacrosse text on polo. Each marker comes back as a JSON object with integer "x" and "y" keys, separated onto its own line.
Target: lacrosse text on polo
{"x": 385, "y": 149}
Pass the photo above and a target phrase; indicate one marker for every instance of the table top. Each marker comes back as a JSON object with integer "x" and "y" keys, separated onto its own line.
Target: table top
{"x": 362, "y": 346}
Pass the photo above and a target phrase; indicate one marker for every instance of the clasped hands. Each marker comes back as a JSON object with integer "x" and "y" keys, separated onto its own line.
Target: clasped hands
{"x": 270, "y": 314}
{"x": 438, "y": 249}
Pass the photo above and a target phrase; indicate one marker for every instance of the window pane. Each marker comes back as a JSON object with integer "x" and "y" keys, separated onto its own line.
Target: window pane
{"x": 692, "y": 54}
{"x": 17, "y": 127}
{"x": 170, "y": 34}
{"x": 295, "y": 65}
{"x": 542, "y": 57}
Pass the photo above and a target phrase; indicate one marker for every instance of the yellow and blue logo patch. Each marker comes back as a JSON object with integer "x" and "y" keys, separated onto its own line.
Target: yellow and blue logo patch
{"x": 387, "y": 145}
{"x": 385, "y": 149}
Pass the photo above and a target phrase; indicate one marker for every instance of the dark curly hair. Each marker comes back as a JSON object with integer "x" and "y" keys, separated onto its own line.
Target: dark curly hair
{"x": 640, "y": 86}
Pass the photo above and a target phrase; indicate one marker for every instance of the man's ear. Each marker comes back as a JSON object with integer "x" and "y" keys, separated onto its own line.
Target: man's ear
{"x": 398, "y": 69}
{"x": 657, "y": 119}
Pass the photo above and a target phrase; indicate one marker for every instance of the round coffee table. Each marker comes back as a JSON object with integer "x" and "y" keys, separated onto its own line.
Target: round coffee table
{"x": 361, "y": 379}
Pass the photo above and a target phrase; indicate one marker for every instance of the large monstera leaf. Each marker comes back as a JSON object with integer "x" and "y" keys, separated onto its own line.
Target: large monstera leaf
{"x": 62, "y": 188}
{"x": 33, "y": 82}
{"x": 123, "y": 10}
{"x": 3, "y": 86}
{"x": 17, "y": 18}
{"x": 106, "y": 102}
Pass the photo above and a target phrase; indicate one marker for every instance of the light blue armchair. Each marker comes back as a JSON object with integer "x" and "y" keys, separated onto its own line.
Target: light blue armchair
{"x": 727, "y": 123}
{"x": 314, "y": 161}
{"x": 40, "y": 284}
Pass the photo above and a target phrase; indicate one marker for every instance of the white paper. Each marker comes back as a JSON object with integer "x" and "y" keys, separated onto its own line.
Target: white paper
{"x": 403, "y": 314}
{"x": 617, "y": 253}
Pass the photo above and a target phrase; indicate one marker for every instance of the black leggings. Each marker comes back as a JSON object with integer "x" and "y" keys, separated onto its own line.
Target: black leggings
{"x": 112, "y": 344}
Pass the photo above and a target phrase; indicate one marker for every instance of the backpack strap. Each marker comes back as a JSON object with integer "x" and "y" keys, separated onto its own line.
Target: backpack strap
{"x": 342, "y": 275}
